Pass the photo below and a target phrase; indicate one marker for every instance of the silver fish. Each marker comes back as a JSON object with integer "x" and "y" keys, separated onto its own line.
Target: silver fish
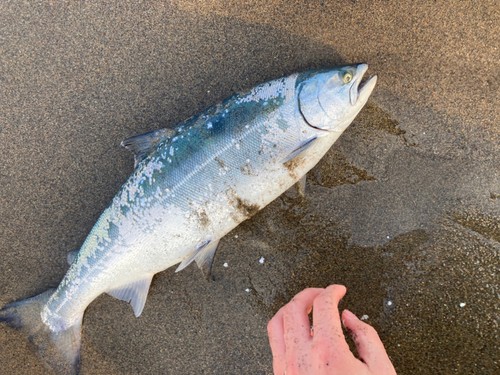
{"x": 192, "y": 184}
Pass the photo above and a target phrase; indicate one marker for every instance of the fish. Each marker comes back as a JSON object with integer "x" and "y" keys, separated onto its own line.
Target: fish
{"x": 192, "y": 184}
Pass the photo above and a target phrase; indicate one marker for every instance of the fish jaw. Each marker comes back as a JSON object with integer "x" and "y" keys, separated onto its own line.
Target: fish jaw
{"x": 360, "y": 92}
{"x": 330, "y": 99}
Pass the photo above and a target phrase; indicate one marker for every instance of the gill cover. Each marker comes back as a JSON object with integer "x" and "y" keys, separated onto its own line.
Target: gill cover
{"x": 329, "y": 99}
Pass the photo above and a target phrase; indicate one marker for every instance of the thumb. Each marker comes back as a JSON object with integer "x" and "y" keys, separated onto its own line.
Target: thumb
{"x": 370, "y": 349}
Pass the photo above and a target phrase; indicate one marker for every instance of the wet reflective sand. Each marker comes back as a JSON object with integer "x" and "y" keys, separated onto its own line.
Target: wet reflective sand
{"x": 404, "y": 209}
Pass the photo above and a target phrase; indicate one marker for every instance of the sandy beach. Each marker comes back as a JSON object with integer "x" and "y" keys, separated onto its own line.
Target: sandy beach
{"x": 404, "y": 209}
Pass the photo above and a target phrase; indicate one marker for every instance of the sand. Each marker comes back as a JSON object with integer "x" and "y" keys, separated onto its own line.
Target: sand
{"x": 403, "y": 210}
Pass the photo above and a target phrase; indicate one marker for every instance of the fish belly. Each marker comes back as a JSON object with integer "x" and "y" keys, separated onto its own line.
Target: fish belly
{"x": 217, "y": 170}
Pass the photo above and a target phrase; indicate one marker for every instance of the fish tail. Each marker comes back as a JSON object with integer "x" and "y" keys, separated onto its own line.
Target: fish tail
{"x": 60, "y": 350}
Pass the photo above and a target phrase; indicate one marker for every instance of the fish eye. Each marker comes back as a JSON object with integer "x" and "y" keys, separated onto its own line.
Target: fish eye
{"x": 346, "y": 77}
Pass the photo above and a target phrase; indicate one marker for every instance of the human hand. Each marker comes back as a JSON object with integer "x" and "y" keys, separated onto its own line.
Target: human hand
{"x": 299, "y": 350}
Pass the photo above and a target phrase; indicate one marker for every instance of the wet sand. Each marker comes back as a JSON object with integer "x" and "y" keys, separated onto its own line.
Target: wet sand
{"x": 403, "y": 210}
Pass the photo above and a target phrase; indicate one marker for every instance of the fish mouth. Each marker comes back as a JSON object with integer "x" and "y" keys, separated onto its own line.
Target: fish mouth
{"x": 361, "y": 91}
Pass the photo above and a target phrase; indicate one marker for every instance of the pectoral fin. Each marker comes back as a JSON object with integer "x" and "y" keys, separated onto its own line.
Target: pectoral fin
{"x": 301, "y": 186}
{"x": 141, "y": 144}
{"x": 134, "y": 293}
{"x": 300, "y": 148}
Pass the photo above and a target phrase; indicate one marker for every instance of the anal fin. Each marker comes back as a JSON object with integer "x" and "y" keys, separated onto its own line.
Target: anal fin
{"x": 134, "y": 293}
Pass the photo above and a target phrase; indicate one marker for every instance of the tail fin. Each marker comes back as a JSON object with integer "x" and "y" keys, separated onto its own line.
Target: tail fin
{"x": 59, "y": 350}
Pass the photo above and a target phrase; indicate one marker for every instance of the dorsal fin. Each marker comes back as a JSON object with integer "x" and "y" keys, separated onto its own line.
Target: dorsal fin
{"x": 140, "y": 145}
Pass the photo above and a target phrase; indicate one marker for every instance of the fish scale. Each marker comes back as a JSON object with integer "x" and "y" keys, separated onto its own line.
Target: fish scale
{"x": 192, "y": 185}
{"x": 189, "y": 181}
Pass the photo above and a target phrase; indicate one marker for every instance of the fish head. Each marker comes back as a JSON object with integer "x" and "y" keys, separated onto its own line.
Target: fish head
{"x": 329, "y": 99}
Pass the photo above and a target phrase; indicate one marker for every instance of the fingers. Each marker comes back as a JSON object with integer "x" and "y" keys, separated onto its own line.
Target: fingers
{"x": 289, "y": 330}
{"x": 326, "y": 318}
{"x": 370, "y": 348}
{"x": 294, "y": 349}
{"x": 295, "y": 319}
{"x": 277, "y": 341}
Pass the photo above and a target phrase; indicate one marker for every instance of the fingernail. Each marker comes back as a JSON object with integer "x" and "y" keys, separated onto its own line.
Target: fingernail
{"x": 350, "y": 315}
